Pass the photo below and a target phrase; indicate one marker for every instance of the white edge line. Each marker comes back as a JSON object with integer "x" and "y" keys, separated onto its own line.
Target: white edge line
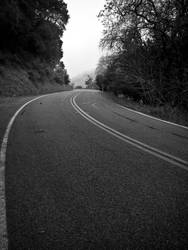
{"x": 153, "y": 117}
{"x": 160, "y": 154}
{"x": 150, "y": 116}
{"x": 3, "y": 231}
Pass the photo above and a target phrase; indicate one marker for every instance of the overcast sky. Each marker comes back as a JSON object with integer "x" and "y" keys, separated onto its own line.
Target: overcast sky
{"x": 82, "y": 36}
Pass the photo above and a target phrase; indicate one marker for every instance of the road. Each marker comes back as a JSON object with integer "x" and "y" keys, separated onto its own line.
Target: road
{"x": 84, "y": 173}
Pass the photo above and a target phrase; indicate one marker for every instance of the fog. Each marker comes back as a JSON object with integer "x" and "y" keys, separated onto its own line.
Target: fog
{"x": 82, "y": 36}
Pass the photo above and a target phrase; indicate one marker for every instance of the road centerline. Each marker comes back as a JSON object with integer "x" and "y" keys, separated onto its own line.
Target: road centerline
{"x": 154, "y": 151}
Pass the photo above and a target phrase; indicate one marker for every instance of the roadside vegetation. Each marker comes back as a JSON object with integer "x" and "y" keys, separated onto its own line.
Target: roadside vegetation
{"x": 165, "y": 112}
{"x": 147, "y": 57}
{"x": 31, "y": 47}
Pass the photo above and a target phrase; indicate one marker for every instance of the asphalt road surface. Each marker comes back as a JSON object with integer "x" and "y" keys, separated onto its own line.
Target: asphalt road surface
{"x": 85, "y": 173}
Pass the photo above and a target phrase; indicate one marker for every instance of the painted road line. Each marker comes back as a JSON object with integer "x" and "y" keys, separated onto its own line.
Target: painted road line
{"x": 156, "y": 152}
{"x": 3, "y": 150}
{"x": 152, "y": 117}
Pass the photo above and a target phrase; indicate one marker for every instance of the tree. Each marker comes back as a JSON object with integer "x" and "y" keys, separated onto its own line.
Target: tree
{"x": 88, "y": 81}
{"x": 148, "y": 40}
{"x": 35, "y": 27}
{"x": 60, "y": 75}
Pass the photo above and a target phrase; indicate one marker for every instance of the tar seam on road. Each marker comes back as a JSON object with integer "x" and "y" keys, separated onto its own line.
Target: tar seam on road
{"x": 3, "y": 150}
{"x": 156, "y": 152}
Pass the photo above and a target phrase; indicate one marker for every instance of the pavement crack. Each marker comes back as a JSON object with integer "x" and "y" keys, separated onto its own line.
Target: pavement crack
{"x": 40, "y": 131}
{"x": 180, "y": 136}
{"x": 151, "y": 127}
{"x": 125, "y": 117}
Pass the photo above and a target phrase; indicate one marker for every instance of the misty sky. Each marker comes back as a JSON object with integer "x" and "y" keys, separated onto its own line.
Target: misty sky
{"x": 82, "y": 36}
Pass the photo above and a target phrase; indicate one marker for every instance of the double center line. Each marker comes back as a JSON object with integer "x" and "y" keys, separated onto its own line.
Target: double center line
{"x": 140, "y": 145}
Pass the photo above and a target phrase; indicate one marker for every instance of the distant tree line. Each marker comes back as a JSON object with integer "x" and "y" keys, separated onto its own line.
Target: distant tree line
{"x": 148, "y": 40}
{"x": 33, "y": 29}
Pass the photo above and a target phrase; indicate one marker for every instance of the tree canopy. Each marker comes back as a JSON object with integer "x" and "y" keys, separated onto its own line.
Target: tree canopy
{"x": 34, "y": 27}
{"x": 148, "y": 41}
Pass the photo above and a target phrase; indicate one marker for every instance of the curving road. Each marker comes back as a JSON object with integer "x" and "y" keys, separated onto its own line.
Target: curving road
{"x": 85, "y": 173}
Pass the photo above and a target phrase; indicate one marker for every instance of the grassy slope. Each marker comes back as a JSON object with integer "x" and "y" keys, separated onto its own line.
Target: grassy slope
{"x": 163, "y": 112}
{"x": 19, "y": 77}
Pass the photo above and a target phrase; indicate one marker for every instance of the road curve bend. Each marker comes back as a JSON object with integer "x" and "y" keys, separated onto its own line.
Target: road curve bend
{"x": 83, "y": 173}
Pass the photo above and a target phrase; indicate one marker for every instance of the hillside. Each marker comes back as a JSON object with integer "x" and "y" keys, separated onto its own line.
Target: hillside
{"x": 31, "y": 47}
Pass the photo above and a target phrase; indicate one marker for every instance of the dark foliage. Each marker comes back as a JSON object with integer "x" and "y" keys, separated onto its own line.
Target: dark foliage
{"x": 149, "y": 41}
{"x": 78, "y": 87}
{"x": 33, "y": 29}
{"x": 60, "y": 74}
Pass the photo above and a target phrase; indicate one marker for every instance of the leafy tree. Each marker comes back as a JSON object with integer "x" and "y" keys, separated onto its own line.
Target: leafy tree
{"x": 60, "y": 75}
{"x": 35, "y": 27}
{"x": 148, "y": 41}
{"x": 89, "y": 81}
